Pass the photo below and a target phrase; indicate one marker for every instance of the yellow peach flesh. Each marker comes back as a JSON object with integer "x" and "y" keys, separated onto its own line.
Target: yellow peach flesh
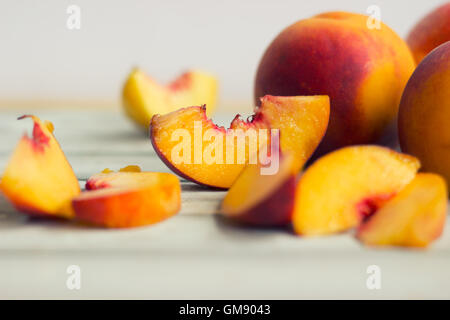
{"x": 332, "y": 192}
{"x": 301, "y": 121}
{"x": 143, "y": 97}
{"x": 128, "y": 199}
{"x": 414, "y": 217}
{"x": 38, "y": 178}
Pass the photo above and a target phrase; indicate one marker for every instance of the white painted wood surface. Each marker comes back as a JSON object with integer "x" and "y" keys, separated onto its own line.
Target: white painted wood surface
{"x": 193, "y": 255}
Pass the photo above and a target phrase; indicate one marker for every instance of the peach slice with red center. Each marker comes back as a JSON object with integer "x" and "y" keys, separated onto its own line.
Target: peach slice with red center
{"x": 198, "y": 150}
{"x": 38, "y": 179}
{"x": 143, "y": 97}
{"x": 272, "y": 204}
{"x": 414, "y": 217}
{"x": 338, "y": 190}
{"x": 128, "y": 198}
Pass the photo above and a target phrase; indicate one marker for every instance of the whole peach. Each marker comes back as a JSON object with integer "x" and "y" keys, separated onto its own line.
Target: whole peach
{"x": 424, "y": 115}
{"x": 362, "y": 69}
{"x": 430, "y": 32}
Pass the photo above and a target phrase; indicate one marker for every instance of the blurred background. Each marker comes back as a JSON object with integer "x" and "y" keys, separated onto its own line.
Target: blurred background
{"x": 46, "y": 64}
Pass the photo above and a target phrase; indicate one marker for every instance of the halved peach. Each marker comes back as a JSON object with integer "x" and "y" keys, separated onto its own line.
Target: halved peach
{"x": 196, "y": 149}
{"x": 337, "y": 191}
{"x": 262, "y": 199}
{"x": 143, "y": 97}
{"x": 414, "y": 217}
{"x": 38, "y": 179}
{"x": 128, "y": 199}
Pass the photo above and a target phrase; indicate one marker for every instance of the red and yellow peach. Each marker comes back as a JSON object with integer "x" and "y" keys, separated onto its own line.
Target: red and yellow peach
{"x": 362, "y": 70}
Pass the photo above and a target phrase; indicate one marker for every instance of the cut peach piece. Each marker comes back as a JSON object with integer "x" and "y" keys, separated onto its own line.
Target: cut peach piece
{"x": 129, "y": 199}
{"x": 338, "y": 190}
{"x": 272, "y": 204}
{"x": 129, "y": 176}
{"x": 38, "y": 179}
{"x": 414, "y": 217}
{"x": 196, "y": 149}
{"x": 143, "y": 97}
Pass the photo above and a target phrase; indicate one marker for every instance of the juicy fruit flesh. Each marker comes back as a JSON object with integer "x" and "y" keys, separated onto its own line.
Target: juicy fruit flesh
{"x": 414, "y": 217}
{"x": 368, "y": 206}
{"x": 123, "y": 207}
{"x": 38, "y": 178}
{"x": 128, "y": 198}
{"x": 271, "y": 204}
{"x": 104, "y": 192}
{"x": 330, "y": 192}
{"x": 242, "y": 196}
{"x": 219, "y": 175}
{"x": 143, "y": 97}
{"x": 302, "y": 122}
{"x": 120, "y": 179}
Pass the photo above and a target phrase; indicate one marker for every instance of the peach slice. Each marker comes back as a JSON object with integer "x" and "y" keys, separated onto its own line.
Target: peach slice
{"x": 424, "y": 114}
{"x": 128, "y": 199}
{"x": 338, "y": 190}
{"x": 196, "y": 149}
{"x": 272, "y": 205}
{"x": 143, "y": 97}
{"x": 38, "y": 179}
{"x": 131, "y": 175}
{"x": 414, "y": 217}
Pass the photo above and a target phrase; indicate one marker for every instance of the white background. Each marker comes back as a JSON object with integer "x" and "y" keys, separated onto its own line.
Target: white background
{"x": 42, "y": 59}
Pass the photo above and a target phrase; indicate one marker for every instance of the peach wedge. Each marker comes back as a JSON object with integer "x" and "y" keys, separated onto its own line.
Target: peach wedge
{"x": 196, "y": 149}
{"x": 38, "y": 179}
{"x": 260, "y": 199}
{"x": 414, "y": 217}
{"x": 337, "y": 191}
{"x": 143, "y": 97}
{"x": 128, "y": 198}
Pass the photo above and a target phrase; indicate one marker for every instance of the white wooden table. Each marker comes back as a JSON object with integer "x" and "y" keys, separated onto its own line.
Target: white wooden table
{"x": 194, "y": 255}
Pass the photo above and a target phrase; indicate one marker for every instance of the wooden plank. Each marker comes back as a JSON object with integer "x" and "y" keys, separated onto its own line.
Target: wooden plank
{"x": 204, "y": 257}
